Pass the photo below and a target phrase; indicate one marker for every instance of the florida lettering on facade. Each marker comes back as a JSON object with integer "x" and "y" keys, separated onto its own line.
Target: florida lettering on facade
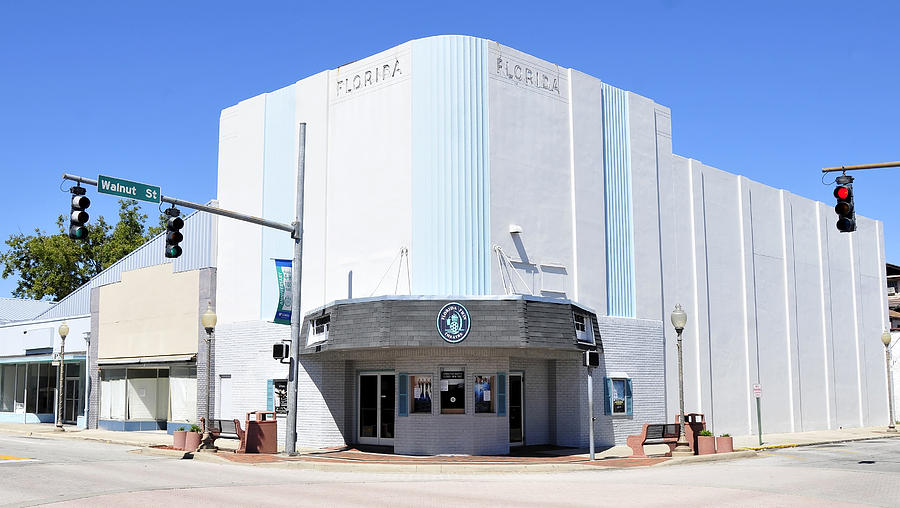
{"x": 368, "y": 78}
{"x": 527, "y": 75}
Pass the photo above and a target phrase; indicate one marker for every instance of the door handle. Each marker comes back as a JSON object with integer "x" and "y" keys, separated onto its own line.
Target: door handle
{"x": 384, "y": 396}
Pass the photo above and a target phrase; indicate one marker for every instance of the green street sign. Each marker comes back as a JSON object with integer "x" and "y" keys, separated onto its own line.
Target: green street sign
{"x": 127, "y": 189}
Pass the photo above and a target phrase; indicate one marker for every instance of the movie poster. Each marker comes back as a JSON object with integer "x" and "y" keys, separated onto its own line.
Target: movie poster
{"x": 421, "y": 394}
{"x": 484, "y": 396}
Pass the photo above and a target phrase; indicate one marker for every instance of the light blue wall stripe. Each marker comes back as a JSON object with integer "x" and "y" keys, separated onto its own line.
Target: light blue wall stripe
{"x": 617, "y": 184}
{"x": 450, "y": 251}
{"x": 279, "y": 180}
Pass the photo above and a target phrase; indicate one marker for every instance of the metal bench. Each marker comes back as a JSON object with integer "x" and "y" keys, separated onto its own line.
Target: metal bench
{"x": 653, "y": 433}
{"x": 225, "y": 429}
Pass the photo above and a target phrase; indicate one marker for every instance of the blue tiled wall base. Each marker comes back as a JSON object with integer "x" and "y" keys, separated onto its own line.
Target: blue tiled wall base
{"x": 26, "y": 418}
{"x": 132, "y": 425}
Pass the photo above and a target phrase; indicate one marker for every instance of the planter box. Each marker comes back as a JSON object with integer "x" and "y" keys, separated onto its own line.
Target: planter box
{"x": 724, "y": 444}
{"x": 178, "y": 439}
{"x": 706, "y": 445}
{"x": 192, "y": 441}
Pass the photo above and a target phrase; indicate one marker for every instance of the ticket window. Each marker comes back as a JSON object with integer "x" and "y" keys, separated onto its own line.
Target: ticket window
{"x": 453, "y": 391}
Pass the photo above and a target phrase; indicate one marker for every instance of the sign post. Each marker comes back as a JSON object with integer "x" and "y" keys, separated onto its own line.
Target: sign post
{"x": 757, "y": 393}
{"x": 590, "y": 390}
{"x": 128, "y": 189}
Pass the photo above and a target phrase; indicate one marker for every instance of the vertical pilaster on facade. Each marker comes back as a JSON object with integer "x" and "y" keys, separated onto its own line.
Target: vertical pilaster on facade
{"x": 93, "y": 371}
{"x": 204, "y": 376}
{"x": 206, "y": 350}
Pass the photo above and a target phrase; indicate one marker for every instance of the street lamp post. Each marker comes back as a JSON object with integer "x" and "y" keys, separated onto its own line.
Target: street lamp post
{"x": 886, "y": 340}
{"x": 679, "y": 319}
{"x": 208, "y": 319}
{"x": 63, "y": 332}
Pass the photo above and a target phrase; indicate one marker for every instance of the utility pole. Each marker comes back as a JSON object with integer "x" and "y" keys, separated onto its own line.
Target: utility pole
{"x": 290, "y": 441}
{"x": 296, "y": 231}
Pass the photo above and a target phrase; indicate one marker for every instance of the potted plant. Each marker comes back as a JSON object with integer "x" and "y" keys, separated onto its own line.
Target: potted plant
{"x": 178, "y": 438}
{"x": 706, "y": 443}
{"x": 724, "y": 443}
{"x": 192, "y": 438}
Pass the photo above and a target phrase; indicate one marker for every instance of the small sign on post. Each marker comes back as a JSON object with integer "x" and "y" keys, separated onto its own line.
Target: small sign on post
{"x": 128, "y": 189}
{"x": 757, "y": 393}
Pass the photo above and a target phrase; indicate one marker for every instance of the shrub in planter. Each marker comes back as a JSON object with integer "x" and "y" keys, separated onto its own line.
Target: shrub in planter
{"x": 706, "y": 443}
{"x": 192, "y": 438}
{"x": 724, "y": 444}
{"x": 178, "y": 438}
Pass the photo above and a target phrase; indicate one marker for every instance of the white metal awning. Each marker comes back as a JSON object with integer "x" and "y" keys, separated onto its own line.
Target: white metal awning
{"x": 146, "y": 359}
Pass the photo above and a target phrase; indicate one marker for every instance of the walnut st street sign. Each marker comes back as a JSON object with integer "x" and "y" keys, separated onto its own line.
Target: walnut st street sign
{"x": 128, "y": 189}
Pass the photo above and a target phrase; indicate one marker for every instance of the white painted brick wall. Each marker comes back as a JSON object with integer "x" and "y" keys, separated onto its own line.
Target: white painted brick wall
{"x": 633, "y": 347}
{"x": 244, "y": 350}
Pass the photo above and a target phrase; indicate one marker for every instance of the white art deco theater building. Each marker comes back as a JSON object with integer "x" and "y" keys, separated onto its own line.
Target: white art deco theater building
{"x": 549, "y": 208}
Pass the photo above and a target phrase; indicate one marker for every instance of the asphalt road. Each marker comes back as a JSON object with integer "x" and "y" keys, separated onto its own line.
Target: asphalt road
{"x": 80, "y": 473}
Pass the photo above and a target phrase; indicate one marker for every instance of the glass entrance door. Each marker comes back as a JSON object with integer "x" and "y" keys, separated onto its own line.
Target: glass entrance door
{"x": 516, "y": 410}
{"x": 376, "y": 408}
{"x": 72, "y": 389}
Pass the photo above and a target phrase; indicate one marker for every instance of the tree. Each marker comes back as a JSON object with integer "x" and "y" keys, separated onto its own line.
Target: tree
{"x": 52, "y": 266}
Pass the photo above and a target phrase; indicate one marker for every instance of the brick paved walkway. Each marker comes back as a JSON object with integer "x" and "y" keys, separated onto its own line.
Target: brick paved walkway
{"x": 356, "y": 456}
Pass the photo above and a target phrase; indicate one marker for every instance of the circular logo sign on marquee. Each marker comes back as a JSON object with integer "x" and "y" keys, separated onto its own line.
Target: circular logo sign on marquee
{"x": 453, "y": 322}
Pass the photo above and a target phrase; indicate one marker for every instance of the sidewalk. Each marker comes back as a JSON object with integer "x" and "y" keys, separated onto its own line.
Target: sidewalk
{"x": 536, "y": 458}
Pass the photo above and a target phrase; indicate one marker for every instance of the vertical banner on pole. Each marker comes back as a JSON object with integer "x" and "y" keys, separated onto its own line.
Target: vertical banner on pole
{"x": 285, "y": 297}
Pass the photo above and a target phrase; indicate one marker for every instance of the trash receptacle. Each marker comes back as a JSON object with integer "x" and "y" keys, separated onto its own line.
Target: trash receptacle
{"x": 261, "y": 432}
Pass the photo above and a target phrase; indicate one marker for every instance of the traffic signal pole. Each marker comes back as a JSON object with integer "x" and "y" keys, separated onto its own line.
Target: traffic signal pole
{"x": 203, "y": 208}
{"x": 862, "y": 166}
{"x": 296, "y": 231}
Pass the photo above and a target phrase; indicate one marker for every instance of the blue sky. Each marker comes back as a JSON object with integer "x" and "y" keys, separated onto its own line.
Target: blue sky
{"x": 770, "y": 90}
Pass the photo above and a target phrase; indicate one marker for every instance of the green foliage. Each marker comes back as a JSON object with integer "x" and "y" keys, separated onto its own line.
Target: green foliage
{"x": 725, "y": 435}
{"x": 705, "y": 432}
{"x": 52, "y": 266}
{"x": 182, "y": 429}
{"x": 195, "y": 428}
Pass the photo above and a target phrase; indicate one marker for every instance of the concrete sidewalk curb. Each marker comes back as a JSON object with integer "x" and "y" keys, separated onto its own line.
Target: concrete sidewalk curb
{"x": 834, "y": 441}
{"x": 713, "y": 457}
{"x": 184, "y": 455}
{"x": 73, "y": 435}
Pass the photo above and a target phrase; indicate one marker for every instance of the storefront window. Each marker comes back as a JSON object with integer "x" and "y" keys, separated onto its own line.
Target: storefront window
{"x": 47, "y": 390}
{"x": 183, "y": 393}
{"x": 484, "y": 394}
{"x": 31, "y": 394}
{"x": 7, "y": 388}
{"x": 453, "y": 391}
{"x": 420, "y": 388}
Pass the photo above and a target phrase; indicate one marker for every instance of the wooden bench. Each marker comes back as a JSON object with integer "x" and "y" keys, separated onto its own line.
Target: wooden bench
{"x": 225, "y": 429}
{"x": 653, "y": 433}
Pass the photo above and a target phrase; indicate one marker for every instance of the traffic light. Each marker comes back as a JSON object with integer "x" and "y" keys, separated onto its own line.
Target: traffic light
{"x": 78, "y": 216}
{"x": 846, "y": 222}
{"x": 173, "y": 233}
